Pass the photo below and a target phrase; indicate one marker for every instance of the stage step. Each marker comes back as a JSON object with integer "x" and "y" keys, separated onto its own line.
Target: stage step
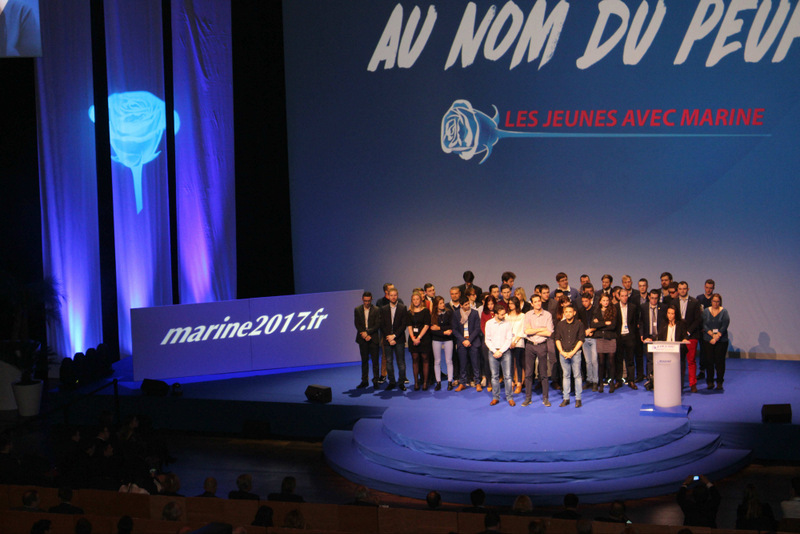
{"x": 377, "y": 447}
{"x": 543, "y": 454}
{"x": 344, "y": 457}
{"x": 523, "y": 435}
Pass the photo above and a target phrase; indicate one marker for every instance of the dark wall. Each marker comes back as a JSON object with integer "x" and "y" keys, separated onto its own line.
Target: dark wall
{"x": 263, "y": 231}
{"x": 20, "y": 214}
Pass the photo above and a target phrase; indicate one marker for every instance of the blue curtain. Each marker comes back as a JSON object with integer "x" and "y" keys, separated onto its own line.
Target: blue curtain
{"x": 67, "y": 172}
{"x": 135, "y": 67}
{"x": 203, "y": 89}
{"x": 203, "y": 95}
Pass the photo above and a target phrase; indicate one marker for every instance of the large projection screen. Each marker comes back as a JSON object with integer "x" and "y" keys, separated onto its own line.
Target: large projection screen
{"x": 621, "y": 137}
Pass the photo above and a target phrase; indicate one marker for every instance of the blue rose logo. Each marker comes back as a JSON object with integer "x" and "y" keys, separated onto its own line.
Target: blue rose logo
{"x": 136, "y": 123}
{"x": 467, "y": 131}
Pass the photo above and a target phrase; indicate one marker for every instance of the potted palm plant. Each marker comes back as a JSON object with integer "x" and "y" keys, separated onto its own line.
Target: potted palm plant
{"x": 24, "y": 308}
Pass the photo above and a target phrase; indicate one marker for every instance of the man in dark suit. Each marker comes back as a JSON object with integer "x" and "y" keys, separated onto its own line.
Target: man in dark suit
{"x": 469, "y": 277}
{"x": 692, "y": 314}
{"x": 368, "y": 322}
{"x": 651, "y": 317}
{"x": 467, "y": 331}
{"x": 380, "y": 303}
{"x": 628, "y": 335}
{"x": 393, "y": 336}
{"x": 65, "y": 506}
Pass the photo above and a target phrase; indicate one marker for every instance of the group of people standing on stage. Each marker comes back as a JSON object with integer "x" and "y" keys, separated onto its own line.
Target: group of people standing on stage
{"x": 597, "y": 336}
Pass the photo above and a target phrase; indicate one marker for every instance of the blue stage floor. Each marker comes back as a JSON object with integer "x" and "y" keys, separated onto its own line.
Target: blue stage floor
{"x": 224, "y": 403}
{"x": 403, "y": 442}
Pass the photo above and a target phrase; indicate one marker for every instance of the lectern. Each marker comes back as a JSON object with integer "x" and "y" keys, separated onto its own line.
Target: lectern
{"x": 667, "y": 380}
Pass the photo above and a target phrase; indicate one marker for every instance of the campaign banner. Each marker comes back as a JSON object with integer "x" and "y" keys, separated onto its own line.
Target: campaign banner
{"x": 621, "y": 137}
{"x": 244, "y": 335}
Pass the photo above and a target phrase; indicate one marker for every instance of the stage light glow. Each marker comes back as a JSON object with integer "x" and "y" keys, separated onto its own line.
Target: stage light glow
{"x": 136, "y": 122}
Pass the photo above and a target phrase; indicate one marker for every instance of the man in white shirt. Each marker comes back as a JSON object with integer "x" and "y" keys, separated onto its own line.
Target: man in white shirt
{"x": 498, "y": 342}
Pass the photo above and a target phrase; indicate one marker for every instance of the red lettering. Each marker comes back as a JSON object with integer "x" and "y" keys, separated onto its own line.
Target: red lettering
{"x": 628, "y": 120}
{"x": 533, "y": 120}
{"x": 508, "y": 120}
{"x": 655, "y": 118}
{"x": 558, "y": 117}
{"x": 758, "y": 117}
{"x": 600, "y": 118}
{"x": 708, "y": 118}
{"x": 612, "y": 116}
{"x": 690, "y": 117}
{"x": 666, "y": 117}
{"x": 722, "y": 117}
{"x": 574, "y": 116}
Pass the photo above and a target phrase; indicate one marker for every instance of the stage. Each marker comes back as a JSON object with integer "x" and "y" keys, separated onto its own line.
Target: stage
{"x": 410, "y": 442}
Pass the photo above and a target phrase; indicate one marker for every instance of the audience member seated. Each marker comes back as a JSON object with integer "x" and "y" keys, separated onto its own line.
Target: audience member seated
{"x": 171, "y": 485}
{"x": 522, "y": 506}
{"x": 491, "y": 522}
{"x": 791, "y": 508}
{"x": 294, "y": 519}
{"x": 363, "y": 497}
{"x": 244, "y": 484}
{"x": 83, "y": 526}
{"x": 263, "y": 517}
{"x": 570, "y": 510}
{"x": 434, "y": 500}
{"x": 287, "y": 493}
{"x": 537, "y": 526}
{"x": 30, "y": 502}
{"x": 129, "y": 486}
{"x": 209, "y": 487}
{"x": 65, "y": 506}
{"x": 42, "y": 526}
{"x": 752, "y": 514}
{"x": 172, "y": 512}
{"x": 125, "y": 525}
{"x": 701, "y": 504}
{"x": 477, "y": 498}
{"x": 616, "y": 514}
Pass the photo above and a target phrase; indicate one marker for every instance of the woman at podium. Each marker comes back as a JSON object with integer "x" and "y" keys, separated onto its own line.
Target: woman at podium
{"x": 674, "y": 329}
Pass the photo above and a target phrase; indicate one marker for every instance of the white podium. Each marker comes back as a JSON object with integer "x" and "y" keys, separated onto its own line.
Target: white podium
{"x": 667, "y": 380}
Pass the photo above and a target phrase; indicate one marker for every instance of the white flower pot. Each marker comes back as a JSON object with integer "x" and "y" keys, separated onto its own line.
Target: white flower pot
{"x": 29, "y": 398}
{"x": 8, "y": 375}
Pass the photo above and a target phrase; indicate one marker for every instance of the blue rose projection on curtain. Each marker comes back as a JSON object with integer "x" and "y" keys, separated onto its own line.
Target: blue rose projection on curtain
{"x": 136, "y": 121}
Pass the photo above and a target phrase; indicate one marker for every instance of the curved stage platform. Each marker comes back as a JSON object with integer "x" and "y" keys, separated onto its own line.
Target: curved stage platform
{"x": 411, "y": 442}
{"x": 544, "y": 454}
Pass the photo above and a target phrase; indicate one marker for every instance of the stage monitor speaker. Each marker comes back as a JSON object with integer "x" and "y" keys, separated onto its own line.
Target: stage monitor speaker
{"x": 776, "y": 413}
{"x": 316, "y": 393}
{"x": 154, "y": 388}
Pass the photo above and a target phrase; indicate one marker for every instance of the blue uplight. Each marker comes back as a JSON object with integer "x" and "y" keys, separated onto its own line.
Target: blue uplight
{"x": 136, "y": 123}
